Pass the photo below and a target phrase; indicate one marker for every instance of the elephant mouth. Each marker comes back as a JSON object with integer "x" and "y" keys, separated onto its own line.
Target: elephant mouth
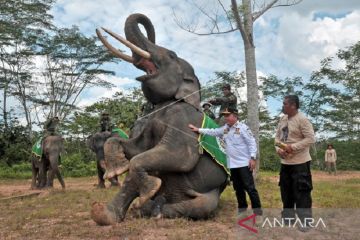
{"x": 147, "y": 66}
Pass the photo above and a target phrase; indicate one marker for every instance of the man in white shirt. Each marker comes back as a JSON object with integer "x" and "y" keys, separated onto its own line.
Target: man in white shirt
{"x": 241, "y": 151}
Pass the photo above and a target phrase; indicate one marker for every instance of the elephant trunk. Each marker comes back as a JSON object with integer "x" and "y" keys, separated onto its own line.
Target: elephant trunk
{"x": 134, "y": 34}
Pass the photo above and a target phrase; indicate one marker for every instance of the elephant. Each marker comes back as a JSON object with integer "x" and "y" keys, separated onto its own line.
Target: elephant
{"x": 45, "y": 169}
{"x": 166, "y": 170}
{"x": 96, "y": 143}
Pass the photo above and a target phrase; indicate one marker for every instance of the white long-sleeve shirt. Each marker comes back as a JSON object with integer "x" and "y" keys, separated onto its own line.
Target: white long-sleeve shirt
{"x": 240, "y": 144}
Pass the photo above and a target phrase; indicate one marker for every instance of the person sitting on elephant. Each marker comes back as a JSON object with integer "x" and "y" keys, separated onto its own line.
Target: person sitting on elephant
{"x": 206, "y": 109}
{"x": 50, "y": 126}
{"x": 105, "y": 122}
{"x": 228, "y": 100}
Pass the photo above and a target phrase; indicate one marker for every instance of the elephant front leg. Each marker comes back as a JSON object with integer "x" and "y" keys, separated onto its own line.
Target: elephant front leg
{"x": 159, "y": 159}
{"x": 115, "y": 211}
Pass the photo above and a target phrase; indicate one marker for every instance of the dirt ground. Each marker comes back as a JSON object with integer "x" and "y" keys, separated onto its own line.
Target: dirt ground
{"x": 22, "y": 187}
{"x": 65, "y": 214}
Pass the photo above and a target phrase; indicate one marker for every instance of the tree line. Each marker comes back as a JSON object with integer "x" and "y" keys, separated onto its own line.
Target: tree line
{"x": 46, "y": 68}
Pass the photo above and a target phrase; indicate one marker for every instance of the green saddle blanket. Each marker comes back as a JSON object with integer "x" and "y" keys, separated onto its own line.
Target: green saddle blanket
{"x": 36, "y": 148}
{"x": 120, "y": 132}
{"x": 213, "y": 145}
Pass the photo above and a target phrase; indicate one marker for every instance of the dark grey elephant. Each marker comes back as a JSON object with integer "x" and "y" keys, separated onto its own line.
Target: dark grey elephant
{"x": 96, "y": 143}
{"x": 166, "y": 170}
{"x": 45, "y": 169}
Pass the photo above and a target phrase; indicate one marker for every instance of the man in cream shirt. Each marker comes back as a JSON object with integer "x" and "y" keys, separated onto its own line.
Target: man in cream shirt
{"x": 296, "y": 134}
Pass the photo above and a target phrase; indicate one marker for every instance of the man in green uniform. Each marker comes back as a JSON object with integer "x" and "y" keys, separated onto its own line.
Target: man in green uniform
{"x": 50, "y": 126}
{"x": 227, "y": 101}
{"x": 206, "y": 109}
{"x": 105, "y": 122}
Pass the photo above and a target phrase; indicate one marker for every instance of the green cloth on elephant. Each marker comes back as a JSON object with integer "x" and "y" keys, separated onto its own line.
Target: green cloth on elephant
{"x": 212, "y": 145}
{"x": 37, "y": 149}
{"x": 120, "y": 132}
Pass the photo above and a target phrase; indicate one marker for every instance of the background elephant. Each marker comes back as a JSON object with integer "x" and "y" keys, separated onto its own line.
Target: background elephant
{"x": 96, "y": 143}
{"x": 166, "y": 170}
{"x": 45, "y": 169}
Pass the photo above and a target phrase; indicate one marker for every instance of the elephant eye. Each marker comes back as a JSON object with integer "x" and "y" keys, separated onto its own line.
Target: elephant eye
{"x": 172, "y": 55}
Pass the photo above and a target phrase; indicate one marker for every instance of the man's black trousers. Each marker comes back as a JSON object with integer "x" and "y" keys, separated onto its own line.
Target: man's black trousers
{"x": 295, "y": 187}
{"x": 243, "y": 181}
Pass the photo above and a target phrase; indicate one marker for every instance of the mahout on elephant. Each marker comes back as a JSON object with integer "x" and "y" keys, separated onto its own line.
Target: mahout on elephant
{"x": 46, "y": 164}
{"x": 166, "y": 169}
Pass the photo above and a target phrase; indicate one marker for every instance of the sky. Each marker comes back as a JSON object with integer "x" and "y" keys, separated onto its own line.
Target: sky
{"x": 290, "y": 41}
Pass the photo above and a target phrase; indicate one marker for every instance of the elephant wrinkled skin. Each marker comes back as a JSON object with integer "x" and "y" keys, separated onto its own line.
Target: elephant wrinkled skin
{"x": 166, "y": 170}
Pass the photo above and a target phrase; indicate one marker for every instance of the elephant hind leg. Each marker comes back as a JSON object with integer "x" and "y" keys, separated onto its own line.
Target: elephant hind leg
{"x": 200, "y": 207}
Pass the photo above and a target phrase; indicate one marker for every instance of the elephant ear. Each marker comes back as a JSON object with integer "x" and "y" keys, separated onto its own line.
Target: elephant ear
{"x": 189, "y": 89}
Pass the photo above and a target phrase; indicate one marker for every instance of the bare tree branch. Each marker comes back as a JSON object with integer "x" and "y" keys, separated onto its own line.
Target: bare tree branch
{"x": 256, "y": 15}
{"x": 273, "y": 4}
{"x": 226, "y": 13}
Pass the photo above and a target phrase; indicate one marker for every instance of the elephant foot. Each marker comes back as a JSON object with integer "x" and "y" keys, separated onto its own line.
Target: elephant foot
{"x": 150, "y": 187}
{"x": 101, "y": 185}
{"x": 101, "y": 214}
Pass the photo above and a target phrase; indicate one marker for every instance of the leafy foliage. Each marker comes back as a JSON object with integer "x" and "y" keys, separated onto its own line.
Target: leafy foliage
{"x": 331, "y": 97}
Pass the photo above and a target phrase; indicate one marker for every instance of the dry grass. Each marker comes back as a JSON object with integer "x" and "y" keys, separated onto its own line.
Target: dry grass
{"x": 58, "y": 214}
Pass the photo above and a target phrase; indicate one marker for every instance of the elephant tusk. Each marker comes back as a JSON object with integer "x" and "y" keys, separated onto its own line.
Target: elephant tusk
{"x": 130, "y": 45}
{"x": 112, "y": 49}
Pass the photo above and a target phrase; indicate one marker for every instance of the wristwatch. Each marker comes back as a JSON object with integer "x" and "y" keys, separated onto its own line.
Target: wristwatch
{"x": 253, "y": 158}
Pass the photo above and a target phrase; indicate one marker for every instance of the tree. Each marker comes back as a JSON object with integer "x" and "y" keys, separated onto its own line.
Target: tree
{"x": 243, "y": 17}
{"x": 21, "y": 22}
{"x": 343, "y": 106}
{"x": 331, "y": 97}
{"x": 123, "y": 110}
{"x": 71, "y": 62}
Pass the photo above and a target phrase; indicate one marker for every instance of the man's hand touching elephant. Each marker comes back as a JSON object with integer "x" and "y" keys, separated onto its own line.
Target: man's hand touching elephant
{"x": 193, "y": 128}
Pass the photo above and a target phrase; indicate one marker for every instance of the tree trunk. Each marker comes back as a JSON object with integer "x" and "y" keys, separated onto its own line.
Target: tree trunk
{"x": 252, "y": 96}
{"x": 251, "y": 77}
{"x": 4, "y": 106}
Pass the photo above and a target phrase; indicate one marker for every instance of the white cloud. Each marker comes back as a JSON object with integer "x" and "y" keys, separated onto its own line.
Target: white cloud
{"x": 94, "y": 94}
{"x": 301, "y": 42}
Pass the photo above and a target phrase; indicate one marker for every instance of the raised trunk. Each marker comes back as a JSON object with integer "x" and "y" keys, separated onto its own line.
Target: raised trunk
{"x": 133, "y": 32}
{"x": 135, "y": 36}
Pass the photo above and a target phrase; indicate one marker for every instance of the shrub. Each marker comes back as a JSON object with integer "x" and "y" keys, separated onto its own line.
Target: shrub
{"x": 74, "y": 166}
